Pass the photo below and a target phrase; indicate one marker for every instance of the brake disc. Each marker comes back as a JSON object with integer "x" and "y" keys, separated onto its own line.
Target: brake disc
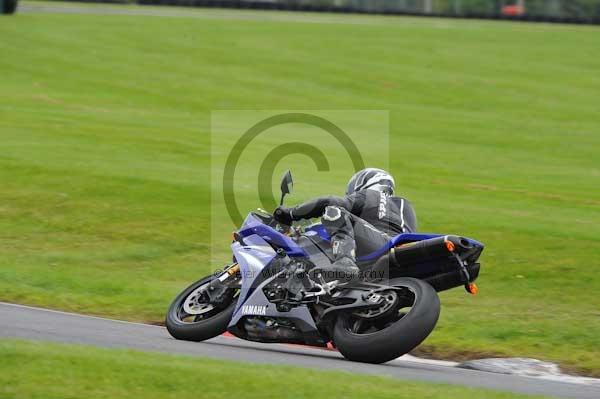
{"x": 193, "y": 305}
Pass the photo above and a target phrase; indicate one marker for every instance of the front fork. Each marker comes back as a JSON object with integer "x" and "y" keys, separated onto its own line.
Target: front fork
{"x": 217, "y": 287}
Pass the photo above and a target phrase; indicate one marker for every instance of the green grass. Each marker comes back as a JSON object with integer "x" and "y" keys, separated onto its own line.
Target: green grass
{"x": 42, "y": 370}
{"x": 495, "y": 128}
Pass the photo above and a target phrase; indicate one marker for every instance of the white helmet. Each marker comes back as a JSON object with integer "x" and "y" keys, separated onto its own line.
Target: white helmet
{"x": 372, "y": 179}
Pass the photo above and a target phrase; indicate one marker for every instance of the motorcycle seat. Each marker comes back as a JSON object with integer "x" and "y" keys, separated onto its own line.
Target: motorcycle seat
{"x": 317, "y": 230}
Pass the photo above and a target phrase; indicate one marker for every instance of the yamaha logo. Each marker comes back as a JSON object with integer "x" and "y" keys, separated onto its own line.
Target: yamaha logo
{"x": 254, "y": 310}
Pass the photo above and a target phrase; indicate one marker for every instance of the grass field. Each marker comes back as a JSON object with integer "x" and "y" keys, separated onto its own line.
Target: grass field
{"x": 495, "y": 129}
{"x": 38, "y": 370}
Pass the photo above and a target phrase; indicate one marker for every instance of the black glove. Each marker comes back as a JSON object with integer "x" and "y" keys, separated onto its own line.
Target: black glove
{"x": 283, "y": 215}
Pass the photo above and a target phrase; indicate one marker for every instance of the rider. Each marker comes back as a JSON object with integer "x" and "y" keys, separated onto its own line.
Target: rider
{"x": 359, "y": 223}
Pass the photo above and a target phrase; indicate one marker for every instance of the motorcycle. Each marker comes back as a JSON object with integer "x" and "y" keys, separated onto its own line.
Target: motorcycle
{"x": 268, "y": 293}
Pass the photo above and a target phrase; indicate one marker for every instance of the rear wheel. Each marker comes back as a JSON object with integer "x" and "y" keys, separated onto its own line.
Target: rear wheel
{"x": 380, "y": 335}
{"x": 192, "y": 317}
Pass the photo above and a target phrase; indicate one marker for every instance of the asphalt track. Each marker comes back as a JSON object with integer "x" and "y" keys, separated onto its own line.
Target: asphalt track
{"x": 17, "y": 321}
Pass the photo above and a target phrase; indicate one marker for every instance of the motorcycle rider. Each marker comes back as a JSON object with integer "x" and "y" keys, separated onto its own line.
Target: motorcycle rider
{"x": 359, "y": 223}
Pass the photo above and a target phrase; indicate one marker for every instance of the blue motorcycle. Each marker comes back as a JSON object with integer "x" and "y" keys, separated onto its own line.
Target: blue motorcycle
{"x": 269, "y": 294}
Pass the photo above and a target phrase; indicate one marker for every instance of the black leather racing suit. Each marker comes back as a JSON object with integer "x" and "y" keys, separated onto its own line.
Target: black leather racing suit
{"x": 361, "y": 222}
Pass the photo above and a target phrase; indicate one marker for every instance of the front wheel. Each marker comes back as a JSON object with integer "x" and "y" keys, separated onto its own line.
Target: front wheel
{"x": 373, "y": 337}
{"x": 191, "y": 316}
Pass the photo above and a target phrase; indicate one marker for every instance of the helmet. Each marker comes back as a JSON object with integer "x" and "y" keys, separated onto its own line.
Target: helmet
{"x": 372, "y": 179}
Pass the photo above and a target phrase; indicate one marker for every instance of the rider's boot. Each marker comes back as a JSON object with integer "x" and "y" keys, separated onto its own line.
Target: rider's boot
{"x": 343, "y": 269}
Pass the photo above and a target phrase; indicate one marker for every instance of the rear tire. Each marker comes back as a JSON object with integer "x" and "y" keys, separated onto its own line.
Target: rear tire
{"x": 210, "y": 327}
{"x": 397, "y": 339}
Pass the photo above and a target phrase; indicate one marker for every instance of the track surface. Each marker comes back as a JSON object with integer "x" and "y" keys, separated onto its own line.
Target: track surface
{"x": 18, "y": 321}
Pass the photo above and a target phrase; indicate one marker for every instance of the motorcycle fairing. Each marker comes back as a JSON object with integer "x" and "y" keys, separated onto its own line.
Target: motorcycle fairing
{"x": 254, "y": 226}
{"x": 253, "y": 302}
{"x": 253, "y": 258}
{"x": 256, "y": 299}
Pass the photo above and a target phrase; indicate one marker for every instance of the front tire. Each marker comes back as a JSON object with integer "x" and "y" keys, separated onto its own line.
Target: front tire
{"x": 212, "y": 324}
{"x": 389, "y": 338}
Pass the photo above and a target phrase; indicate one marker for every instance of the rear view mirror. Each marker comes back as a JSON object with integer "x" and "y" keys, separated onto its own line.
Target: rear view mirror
{"x": 287, "y": 185}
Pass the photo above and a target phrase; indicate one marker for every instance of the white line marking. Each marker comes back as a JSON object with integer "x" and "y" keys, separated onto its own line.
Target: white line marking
{"x": 76, "y": 314}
